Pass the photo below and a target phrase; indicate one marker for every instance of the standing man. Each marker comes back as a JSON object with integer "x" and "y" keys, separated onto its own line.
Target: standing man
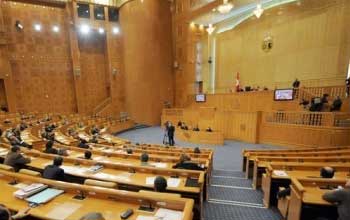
{"x": 341, "y": 198}
{"x": 171, "y": 131}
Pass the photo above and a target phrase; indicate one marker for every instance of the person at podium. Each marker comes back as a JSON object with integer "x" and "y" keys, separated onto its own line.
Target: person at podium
{"x": 209, "y": 129}
{"x": 171, "y": 132}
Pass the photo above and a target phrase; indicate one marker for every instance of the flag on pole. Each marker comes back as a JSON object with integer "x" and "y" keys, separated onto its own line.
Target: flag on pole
{"x": 237, "y": 82}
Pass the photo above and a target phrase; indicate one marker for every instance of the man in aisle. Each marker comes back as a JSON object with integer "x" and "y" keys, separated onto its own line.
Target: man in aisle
{"x": 15, "y": 159}
{"x": 171, "y": 132}
{"x": 54, "y": 171}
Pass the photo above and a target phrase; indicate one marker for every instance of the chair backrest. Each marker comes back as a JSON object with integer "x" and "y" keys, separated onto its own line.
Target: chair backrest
{"x": 30, "y": 172}
{"x": 6, "y": 167}
{"x": 91, "y": 182}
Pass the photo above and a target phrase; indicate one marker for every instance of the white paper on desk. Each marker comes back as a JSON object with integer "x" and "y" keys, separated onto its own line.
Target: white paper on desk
{"x": 64, "y": 210}
{"x": 159, "y": 165}
{"x": 142, "y": 217}
{"x": 280, "y": 173}
{"x": 20, "y": 185}
{"x": 150, "y": 180}
{"x": 168, "y": 214}
{"x": 173, "y": 182}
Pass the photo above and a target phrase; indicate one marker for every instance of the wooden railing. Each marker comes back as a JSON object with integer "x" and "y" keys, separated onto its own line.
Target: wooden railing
{"x": 332, "y": 91}
{"x": 308, "y": 118}
{"x": 102, "y": 105}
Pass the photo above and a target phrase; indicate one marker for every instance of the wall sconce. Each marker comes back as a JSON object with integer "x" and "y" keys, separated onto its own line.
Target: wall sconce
{"x": 77, "y": 71}
{"x": 19, "y": 26}
{"x": 114, "y": 71}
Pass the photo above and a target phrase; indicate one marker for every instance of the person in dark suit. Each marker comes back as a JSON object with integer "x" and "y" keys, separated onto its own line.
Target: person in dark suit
{"x": 83, "y": 144}
{"x": 160, "y": 184}
{"x": 196, "y": 128}
{"x": 15, "y": 159}
{"x": 185, "y": 163}
{"x": 171, "y": 132}
{"x": 296, "y": 84}
{"x": 94, "y": 139}
{"x": 54, "y": 172}
{"x": 5, "y": 213}
{"x": 49, "y": 149}
{"x": 95, "y": 130}
{"x": 209, "y": 129}
{"x": 337, "y": 103}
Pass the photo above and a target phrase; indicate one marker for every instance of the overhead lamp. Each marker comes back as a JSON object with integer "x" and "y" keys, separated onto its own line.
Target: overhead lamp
{"x": 259, "y": 10}
{"x": 226, "y": 7}
{"x": 210, "y": 29}
{"x": 101, "y": 30}
{"x": 115, "y": 30}
{"x": 85, "y": 29}
{"x": 55, "y": 28}
{"x": 19, "y": 26}
{"x": 37, "y": 27}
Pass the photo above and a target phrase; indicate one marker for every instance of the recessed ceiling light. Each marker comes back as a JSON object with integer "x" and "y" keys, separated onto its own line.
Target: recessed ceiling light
{"x": 85, "y": 29}
{"x": 37, "y": 27}
{"x": 55, "y": 28}
{"x": 115, "y": 30}
{"x": 101, "y": 30}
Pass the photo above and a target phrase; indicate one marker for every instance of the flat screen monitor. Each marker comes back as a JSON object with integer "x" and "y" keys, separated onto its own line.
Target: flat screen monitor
{"x": 284, "y": 95}
{"x": 200, "y": 98}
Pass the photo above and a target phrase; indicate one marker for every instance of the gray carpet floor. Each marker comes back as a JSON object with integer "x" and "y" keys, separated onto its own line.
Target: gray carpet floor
{"x": 231, "y": 196}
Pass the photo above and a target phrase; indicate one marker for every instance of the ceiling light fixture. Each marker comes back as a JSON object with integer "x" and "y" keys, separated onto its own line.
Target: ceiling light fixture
{"x": 101, "y": 30}
{"x": 226, "y": 7}
{"x": 259, "y": 10}
{"x": 210, "y": 29}
{"x": 55, "y": 28}
{"x": 115, "y": 30}
{"x": 37, "y": 27}
{"x": 85, "y": 29}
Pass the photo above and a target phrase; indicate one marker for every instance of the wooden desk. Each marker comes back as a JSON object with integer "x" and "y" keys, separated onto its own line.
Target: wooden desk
{"x": 200, "y": 137}
{"x": 109, "y": 202}
{"x": 271, "y": 182}
{"x": 308, "y": 192}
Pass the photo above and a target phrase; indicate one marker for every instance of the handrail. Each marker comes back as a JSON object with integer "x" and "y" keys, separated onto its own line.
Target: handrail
{"x": 102, "y": 105}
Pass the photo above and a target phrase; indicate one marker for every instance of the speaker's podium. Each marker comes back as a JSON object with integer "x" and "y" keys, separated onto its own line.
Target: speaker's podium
{"x": 200, "y": 137}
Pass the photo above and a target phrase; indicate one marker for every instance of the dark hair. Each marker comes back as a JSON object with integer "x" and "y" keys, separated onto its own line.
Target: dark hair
{"x": 327, "y": 172}
{"x": 197, "y": 151}
{"x": 87, "y": 154}
{"x": 15, "y": 148}
{"x": 4, "y": 213}
{"x": 57, "y": 161}
{"x": 184, "y": 158}
{"x": 160, "y": 184}
{"x": 83, "y": 141}
{"x": 49, "y": 144}
{"x": 129, "y": 151}
{"x": 144, "y": 157}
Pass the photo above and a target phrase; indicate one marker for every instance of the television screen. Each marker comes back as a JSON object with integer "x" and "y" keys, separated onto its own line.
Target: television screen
{"x": 200, "y": 98}
{"x": 284, "y": 94}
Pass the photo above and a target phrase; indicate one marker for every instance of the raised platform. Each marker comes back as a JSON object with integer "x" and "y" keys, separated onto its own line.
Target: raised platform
{"x": 200, "y": 137}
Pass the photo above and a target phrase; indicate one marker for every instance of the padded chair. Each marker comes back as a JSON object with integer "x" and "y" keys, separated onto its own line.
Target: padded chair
{"x": 30, "y": 172}
{"x": 6, "y": 167}
{"x": 283, "y": 204}
{"x": 104, "y": 184}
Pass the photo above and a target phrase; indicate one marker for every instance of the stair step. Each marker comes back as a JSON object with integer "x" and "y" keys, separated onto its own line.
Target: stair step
{"x": 235, "y": 194}
{"x": 231, "y": 181}
{"x": 229, "y": 173}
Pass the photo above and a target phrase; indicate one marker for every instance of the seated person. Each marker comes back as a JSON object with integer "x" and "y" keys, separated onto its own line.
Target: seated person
{"x": 337, "y": 103}
{"x": 341, "y": 198}
{"x": 179, "y": 124}
{"x": 185, "y": 163}
{"x": 93, "y": 216}
{"x": 87, "y": 155}
{"x": 197, "y": 150}
{"x": 160, "y": 184}
{"x": 54, "y": 171}
{"x": 83, "y": 144}
{"x": 15, "y": 159}
{"x": 209, "y": 129}
{"x": 5, "y": 213}
{"x": 129, "y": 151}
{"x": 325, "y": 173}
{"x": 144, "y": 158}
{"x": 14, "y": 141}
{"x": 95, "y": 130}
{"x": 49, "y": 149}
{"x": 94, "y": 139}
{"x": 184, "y": 126}
{"x": 196, "y": 128}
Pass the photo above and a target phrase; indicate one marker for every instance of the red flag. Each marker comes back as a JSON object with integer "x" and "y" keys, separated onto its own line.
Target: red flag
{"x": 237, "y": 82}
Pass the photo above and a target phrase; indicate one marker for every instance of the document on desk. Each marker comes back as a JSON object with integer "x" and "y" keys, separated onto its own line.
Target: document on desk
{"x": 45, "y": 196}
{"x": 168, "y": 214}
{"x": 150, "y": 180}
{"x": 280, "y": 173}
{"x": 63, "y": 211}
{"x": 173, "y": 182}
{"x": 159, "y": 165}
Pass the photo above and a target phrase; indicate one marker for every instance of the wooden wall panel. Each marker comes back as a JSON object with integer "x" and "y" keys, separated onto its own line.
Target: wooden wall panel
{"x": 40, "y": 61}
{"x": 309, "y": 43}
{"x": 146, "y": 29}
{"x": 93, "y": 70}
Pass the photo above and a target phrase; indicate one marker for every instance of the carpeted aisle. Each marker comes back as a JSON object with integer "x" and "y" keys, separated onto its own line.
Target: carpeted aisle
{"x": 231, "y": 196}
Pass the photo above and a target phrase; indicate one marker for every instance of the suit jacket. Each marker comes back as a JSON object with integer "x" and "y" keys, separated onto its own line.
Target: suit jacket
{"x": 16, "y": 160}
{"x": 188, "y": 166}
{"x": 171, "y": 131}
{"x": 340, "y": 197}
{"x": 51, "y": 151}
{"x": 53, "y": 172}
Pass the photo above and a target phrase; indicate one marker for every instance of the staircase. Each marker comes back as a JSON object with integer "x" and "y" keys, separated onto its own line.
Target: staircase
{"x": 99, "y": 109}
